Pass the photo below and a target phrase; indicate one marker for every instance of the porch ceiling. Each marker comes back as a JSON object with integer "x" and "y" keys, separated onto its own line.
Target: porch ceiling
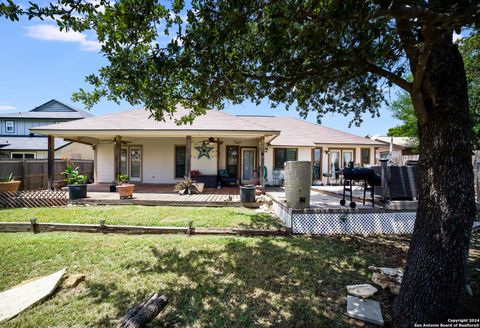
{"x": 127, "y": 138}
{"x": 110, "y": 134}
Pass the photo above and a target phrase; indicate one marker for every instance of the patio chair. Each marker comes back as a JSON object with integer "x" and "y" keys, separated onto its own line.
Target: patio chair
{"x": 225, "y": 178}
{"x": 276, "y": 177}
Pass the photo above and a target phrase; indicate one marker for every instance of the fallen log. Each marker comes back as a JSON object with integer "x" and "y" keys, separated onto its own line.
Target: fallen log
{"x": 140, "y": 316}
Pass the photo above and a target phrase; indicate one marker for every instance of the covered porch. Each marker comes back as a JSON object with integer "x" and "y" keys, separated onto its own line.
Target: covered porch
{"x": 164, "y": 160}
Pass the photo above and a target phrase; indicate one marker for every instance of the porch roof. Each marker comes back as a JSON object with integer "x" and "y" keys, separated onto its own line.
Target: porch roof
{"x": 301, "y": 133}
{"x": 139, "y": 123}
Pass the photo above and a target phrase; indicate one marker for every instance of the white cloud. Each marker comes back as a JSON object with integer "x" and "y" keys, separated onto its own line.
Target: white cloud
{"x": 7, "y": 107}
{"x": 456, "y": 37}
{"x": 53, "y": 33}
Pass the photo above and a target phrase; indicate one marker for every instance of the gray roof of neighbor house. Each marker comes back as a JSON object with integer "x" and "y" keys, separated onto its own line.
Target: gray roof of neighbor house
{"x": 29, "y": 143}
{"x": 140, "y": 120}
{"x": 297, "y": 132}
{"x": 52, "y": 109}
{"x": 405, "y": 142}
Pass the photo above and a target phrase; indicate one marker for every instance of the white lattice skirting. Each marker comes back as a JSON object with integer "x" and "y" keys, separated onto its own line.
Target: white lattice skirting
{"x": 327, "y": 223}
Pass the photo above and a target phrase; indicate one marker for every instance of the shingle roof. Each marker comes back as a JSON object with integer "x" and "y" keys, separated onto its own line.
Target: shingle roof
{"x": 406, "y": 142}
{"x": 297, "y": 132}
{"x": 139, "y": 119}
{"x": 28, "y": 143}
{"x": 48, "y": 110}
{"x": 293, "y": 132}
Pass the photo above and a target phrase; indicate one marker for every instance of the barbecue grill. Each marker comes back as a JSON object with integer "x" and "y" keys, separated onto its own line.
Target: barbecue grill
{"x": 369, "y": 178}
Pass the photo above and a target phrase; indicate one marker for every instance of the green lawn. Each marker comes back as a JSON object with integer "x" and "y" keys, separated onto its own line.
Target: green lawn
{"x": 210, "y": 281}
{"x": 223, "y": 217}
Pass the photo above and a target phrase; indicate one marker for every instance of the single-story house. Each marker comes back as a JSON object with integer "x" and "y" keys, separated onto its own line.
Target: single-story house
{"x": 402, "y": 148}
{"x": 152, "y": 151}
{"x": 18, "y": 142}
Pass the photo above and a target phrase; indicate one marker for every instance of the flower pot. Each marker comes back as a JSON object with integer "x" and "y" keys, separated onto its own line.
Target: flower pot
{"x": 11, "y": 186}
{"x": 200, "y": 187}
{"x": 77, "y": 191}
{"x": 113, "y": 188}
{"x": 125, "y": 190}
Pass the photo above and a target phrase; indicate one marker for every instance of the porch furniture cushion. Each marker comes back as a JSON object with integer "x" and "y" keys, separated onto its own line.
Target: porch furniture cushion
{"x": 225, "y": 178}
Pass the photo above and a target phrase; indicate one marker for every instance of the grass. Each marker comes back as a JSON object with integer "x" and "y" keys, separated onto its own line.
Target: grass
{"x": 224, "y": 217}
{"x": 210, "y": 281}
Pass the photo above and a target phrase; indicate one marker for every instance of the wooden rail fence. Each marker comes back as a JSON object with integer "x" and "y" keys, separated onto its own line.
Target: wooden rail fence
{"x": 33, "y": 173}
{"x": 36, "y": 227}
{"x": 33, "y": 198}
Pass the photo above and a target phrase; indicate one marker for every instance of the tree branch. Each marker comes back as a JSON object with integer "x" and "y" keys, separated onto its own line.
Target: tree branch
{"x": 402, "y": 83}
{"x": 404, "y": 29}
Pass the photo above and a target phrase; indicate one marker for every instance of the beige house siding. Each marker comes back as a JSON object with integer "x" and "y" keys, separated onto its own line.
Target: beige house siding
{"x": 104, "y": 164}
{"x": 158, "y": 157}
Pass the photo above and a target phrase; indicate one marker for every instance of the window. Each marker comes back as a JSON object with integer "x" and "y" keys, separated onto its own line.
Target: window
{"x": 124, "y": 161}
{"x": 365, "y": 156}
{"x": 135, "y": 164}
{"x": 9, "y": 126}
{"x": 334, "y": 163}
{"x": 22, "y": 155}
{"x": 317, "y": 163}
{"x": 282, "y": 155}
{"x": 347, "y": 157}
{"x": 180, "y": 162}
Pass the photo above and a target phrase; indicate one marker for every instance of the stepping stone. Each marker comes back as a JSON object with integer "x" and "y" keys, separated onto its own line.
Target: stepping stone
{"x": 365, "y": 310}
{"x": 363, "y": 290}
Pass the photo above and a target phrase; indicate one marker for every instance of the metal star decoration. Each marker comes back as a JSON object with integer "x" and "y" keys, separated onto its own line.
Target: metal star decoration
{"x": 203, "y": 150}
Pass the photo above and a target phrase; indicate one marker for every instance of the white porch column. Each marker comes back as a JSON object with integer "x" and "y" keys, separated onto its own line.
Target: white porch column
{"x": 188, "y": 157}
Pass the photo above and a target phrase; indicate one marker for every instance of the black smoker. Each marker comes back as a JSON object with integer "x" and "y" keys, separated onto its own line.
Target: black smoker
{"x": 368, "y": 176}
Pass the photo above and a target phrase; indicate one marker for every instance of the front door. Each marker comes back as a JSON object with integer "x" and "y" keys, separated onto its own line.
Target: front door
{"x": 248, "y": 164}
{"x": 135, "y": 164}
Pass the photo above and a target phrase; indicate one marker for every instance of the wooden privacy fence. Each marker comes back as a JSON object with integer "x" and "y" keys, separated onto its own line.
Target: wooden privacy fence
{"x": 37, "y": 198}
{"x": 33, "y": 173}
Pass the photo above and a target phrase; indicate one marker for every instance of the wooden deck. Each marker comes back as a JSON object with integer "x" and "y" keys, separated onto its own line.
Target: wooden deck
{"x": 154, "y": 194}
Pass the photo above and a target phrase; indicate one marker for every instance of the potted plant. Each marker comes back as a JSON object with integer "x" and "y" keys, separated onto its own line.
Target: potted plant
{"x": 125, "y": 189}
{"x": 77, "y": 183}
{"x": 9, "y": 183}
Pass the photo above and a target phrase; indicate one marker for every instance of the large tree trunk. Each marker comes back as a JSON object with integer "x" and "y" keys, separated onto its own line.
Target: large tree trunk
{"x": 434, "y": 281}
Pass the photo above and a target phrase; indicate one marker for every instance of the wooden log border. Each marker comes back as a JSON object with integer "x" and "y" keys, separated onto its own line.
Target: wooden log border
{"x": 36, "y": 227}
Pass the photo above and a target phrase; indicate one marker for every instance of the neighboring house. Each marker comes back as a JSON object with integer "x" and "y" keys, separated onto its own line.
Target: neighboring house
{"x": 152, "y": 151}
{"x": 403, "y": 148}
{"x": 17, "y": 141}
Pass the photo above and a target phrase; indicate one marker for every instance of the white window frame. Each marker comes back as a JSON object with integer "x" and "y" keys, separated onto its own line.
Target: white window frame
{"x": 8, "y": 126}
{"x": 23, "y": 154}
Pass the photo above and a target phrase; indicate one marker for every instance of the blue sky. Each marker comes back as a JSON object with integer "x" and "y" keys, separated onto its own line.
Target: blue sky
{"x": 39, "y": 63}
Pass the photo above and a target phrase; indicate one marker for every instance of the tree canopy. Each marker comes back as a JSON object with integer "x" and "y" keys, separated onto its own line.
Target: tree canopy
{"x": 322, "y": 56}
{"x": 402, "y": 107}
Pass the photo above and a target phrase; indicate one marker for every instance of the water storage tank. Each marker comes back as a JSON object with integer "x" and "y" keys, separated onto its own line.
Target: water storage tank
{"x": 298, "y": 179}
